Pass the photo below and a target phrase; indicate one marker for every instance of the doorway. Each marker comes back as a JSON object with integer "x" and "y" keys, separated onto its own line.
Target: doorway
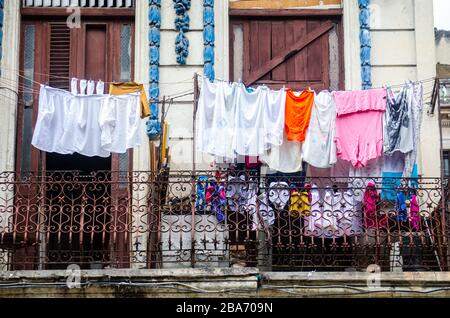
{"x": 78, "y": 190}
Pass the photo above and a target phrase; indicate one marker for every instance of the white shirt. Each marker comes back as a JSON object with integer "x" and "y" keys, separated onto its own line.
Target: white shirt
{"x": 250, "y": 132}
{"x": 279, "y": 194}
{"x": 312, "y": 225}
{"x": 119, "y": 121}
{"x": 215, "y": 119}
{"x": 52, "y": 115}
{"x": 286, "y": 158}
{"x": 232, "y": 121}
{"x": 87, "y": 132}
{"x": 273, "y": 120}
{"x": 319, "y": 148}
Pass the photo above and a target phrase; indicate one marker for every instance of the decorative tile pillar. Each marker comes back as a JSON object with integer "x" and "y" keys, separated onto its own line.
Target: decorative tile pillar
{"x": 182, "y": 22}
{"x": 208, "y": 38}
{"x": 154, "y": 37}
{"x": 365, "y": 43}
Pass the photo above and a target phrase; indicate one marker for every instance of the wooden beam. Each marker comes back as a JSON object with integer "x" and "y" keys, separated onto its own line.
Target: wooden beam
{"x": 284, "y": 12}
{"x": 289, "y": 52}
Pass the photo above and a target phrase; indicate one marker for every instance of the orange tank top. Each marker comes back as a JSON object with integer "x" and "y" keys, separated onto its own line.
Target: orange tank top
{"x": 298, "y": 114}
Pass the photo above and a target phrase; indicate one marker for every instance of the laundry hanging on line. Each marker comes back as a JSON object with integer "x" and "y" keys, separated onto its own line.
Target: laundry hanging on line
{"x": 87, "y": 121}
{"x": 318, "y": 128}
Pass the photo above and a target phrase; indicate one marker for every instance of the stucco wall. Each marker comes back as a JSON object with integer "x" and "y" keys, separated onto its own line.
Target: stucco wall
{"x": 443, "y": 47}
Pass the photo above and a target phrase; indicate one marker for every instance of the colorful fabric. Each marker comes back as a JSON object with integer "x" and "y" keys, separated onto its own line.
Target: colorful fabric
{"x": 299, "y": 204}
{"x": 414, "y": 213}
{"x": 372, "y": 218}
{"x": 401, "y": 207}
{"x": 298, "y": 114}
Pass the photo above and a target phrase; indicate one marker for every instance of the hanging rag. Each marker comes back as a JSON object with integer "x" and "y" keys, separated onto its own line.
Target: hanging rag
{"x": 401, "y": 207}
{"x": 372, "y": 217}
{"x": 398, "y": 122}
{"x": 200, "y": 203}
{"x": 414, "y": 213}
{"x": 299, "y": 204}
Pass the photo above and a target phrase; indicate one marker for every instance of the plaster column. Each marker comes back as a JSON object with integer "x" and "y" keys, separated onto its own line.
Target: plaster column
{"x": 222, "y": 64}
{"x": 8, "y": 105}
{"x": 352, "y": 49}
{"x": 141, "y": 155}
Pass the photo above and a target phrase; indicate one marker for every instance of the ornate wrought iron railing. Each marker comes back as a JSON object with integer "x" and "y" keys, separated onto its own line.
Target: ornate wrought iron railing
{"x": 182, "y": 219}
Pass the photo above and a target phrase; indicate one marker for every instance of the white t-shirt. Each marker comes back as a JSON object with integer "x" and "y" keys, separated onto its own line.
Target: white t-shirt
{"x": 274, "y": 114}
{"x": 319, "y": 148}
{"x": 250, "y": 133}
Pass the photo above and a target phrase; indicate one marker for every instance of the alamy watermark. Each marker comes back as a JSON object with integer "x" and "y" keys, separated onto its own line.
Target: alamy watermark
{"x": 74, "y": 19}
{"x": 73, "y": 273}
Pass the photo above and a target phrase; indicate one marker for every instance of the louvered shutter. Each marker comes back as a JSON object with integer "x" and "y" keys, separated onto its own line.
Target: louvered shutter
{"x": 59, "y": 63}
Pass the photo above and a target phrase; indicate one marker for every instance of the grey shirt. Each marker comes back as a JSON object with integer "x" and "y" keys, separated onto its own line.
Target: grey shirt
{"x": 398, "y": 122}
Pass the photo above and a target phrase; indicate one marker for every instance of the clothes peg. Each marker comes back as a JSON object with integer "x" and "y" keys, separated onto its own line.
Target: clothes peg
{"x": 83, "y": 86}
{"x": 74, "y": 86}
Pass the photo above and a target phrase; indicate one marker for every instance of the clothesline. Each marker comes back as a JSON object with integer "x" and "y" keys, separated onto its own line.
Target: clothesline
{"x": 17, "y": 72}
{"x": 313, "y": 128}
{"x": 431, "y": 79}
{"x": 22, "y": 88}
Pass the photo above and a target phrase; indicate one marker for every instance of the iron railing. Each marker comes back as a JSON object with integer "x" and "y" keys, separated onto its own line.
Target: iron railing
{"x": 205, "y": 219}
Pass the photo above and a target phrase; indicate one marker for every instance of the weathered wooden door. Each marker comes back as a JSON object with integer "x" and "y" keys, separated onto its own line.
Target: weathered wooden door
{"x": 286, "y": 48}
{"x": 52, "y": 53}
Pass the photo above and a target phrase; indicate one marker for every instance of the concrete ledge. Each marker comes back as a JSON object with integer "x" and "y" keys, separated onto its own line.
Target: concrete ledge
{"x": 188, "y": 273}
{"x": 421, "y": 279}
{"x": 122, "y": 283}
{"x": 223, "y": 283}
{"x": 355, "y": 284}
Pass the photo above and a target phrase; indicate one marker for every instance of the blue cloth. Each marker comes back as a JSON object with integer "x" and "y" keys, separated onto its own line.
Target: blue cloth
{"x": 391, "y": 182}
{"x": 200, "y": 203}
{"x": 400, "y": 207}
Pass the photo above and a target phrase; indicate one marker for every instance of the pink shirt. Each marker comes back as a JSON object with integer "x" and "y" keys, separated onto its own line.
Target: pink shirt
{"x": 359, "y": 125}
{"x": 348, "y": 102}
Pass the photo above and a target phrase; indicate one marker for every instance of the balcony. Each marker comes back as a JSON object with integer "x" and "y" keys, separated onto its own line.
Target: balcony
{"x": 108, "y": 220}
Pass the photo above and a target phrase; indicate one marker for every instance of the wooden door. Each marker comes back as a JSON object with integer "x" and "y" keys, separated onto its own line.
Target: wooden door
{"x": 101, "y": 49}
{"x": 285, "y": 49}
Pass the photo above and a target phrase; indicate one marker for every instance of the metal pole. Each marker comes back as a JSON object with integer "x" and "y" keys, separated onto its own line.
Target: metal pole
{"x": 196, "y": 98}
{"x": 443, "y": 192}
{"x": 193, "y": 173}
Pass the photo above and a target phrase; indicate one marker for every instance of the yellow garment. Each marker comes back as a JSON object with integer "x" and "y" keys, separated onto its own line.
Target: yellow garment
{"x": 131, "y": 87}
{"x": 299, "y": 204}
